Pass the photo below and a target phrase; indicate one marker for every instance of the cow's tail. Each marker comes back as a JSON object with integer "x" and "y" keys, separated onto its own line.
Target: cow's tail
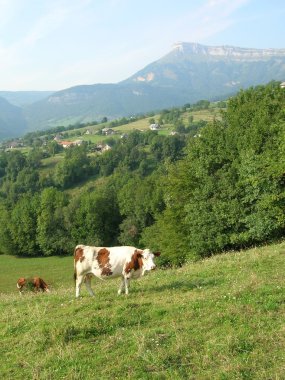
{"x": 74, "y": 265}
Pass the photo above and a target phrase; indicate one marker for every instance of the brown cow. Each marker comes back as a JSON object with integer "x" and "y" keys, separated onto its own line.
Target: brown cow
{"x": 109, "y": 262}
{"x": 36, "y": 284}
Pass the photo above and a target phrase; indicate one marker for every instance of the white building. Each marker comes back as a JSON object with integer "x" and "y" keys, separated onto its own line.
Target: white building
{"x": 154, "y": 127}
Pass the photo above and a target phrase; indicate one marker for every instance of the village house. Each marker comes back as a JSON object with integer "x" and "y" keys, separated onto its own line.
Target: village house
{"x": 108, "y": 131}
{"x": 101, "y": 148}
{"x": 13, "y": 144}
{"x": 154, "y": 127}
{"x": 67, "y": 144}
{"x": 106, "y": 148}
{"x": 57, "y": 137}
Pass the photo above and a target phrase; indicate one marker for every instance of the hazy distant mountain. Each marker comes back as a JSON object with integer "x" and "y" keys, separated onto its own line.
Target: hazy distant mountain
{"x": 87, "y": 103}
{"x": 190, "y": 72}
{"x": 23, "y": 98}
{"x": 12, "y": 122}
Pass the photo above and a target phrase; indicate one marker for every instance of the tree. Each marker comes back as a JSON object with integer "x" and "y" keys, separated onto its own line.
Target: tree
{"x": 140, "y": 199}
{"x": 94, "y": 217}
{"x": 7, "y": 243}
{"x": 23, "y": 226}
{"x": 34, "y": 158}
{"x": 228, "y": 191}
{"x": 53, "y": 147}
{"x": 16, "y": 161}
{"x": 74, "y": 168}
{"x": 3, "y": 164}
{"x": 52, "y": 235}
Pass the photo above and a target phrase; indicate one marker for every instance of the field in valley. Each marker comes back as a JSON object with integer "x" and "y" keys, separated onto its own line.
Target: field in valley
{"x": 221, "y": 318}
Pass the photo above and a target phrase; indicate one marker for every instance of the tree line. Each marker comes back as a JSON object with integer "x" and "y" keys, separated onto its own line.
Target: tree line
{"x": 39, "y": 216}
{"x": 189, "y": 196}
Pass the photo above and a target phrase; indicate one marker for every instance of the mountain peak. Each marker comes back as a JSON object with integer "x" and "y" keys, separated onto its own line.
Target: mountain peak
{"x": 233, "y": 52}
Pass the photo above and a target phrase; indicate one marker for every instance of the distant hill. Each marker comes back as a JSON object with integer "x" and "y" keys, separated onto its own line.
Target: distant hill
{"x": 87, "y": 103}
{"x": 12, "y": 121}
{"x": 23, "y": 98}
{"x": 190, "y": 72}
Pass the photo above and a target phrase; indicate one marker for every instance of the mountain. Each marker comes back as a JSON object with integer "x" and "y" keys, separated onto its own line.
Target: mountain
{"x": 23, "y": 98}
{"x": 188, "y": 73}
{"x": 12, "y": 121}
{"x": 207, "y": 72}
{"x": 93, "y": 102}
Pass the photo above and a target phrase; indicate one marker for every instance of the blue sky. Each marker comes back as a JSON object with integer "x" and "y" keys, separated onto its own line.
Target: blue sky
{"x": 56, "y": 44}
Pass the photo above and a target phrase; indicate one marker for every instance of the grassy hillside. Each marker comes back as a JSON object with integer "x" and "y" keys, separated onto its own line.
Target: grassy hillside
{"x": 221, "y": 318}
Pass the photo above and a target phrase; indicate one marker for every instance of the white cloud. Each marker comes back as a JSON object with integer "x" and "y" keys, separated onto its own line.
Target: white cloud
{"x": 57, "y": 14}
{"x": 18, "y": 50}
{"x": 209, "y": 19}
{"x": 111, "y": 53}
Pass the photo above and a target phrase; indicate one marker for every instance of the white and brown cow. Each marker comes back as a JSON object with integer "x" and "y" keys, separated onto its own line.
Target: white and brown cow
{"x": 104, "y": 263}
{"x": 36, "y": 284}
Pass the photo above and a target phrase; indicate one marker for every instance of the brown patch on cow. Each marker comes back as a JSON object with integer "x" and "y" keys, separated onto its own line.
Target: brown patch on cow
{"x": 136, "y": 261}
{"x": 103, "y": 259}
{"x": 39, "y": 284}
{"x": 79, "y": 255}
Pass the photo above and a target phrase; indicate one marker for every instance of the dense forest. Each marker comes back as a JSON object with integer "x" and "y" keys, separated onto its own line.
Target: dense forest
{"x": 189, "y": 195}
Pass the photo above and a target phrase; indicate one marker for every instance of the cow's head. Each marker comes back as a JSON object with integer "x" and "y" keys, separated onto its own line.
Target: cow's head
{"x": 21, "y": 283}
{"x": 148, "y": 257}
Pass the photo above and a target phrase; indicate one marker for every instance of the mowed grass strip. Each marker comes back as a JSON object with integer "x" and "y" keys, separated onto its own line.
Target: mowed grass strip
{"x": 221, "y": 318}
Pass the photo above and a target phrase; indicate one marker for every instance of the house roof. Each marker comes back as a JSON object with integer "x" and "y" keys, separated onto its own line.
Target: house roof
{"x": 65, "y": 143}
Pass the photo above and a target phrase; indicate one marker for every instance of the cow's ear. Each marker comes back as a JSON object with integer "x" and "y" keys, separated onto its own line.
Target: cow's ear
{"x": 138, "y": 253}
{"x": 156, "y": 253}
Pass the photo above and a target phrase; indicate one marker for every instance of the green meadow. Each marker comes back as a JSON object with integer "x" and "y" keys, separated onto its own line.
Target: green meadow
{"x": 219, "y": 318}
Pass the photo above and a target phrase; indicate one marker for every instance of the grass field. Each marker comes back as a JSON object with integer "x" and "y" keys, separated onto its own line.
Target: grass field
{"x": 143, "y": 125}
{"x": 221, "y": 318}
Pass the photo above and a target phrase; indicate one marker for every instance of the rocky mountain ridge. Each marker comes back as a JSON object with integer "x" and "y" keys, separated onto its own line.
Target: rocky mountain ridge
{"x": 227, "y": 51}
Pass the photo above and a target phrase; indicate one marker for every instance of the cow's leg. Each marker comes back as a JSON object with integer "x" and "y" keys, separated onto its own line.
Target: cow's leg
{"x": 79, "y": 281}
{"x": 127, "y": 282}
{"x": 88, "y": 284}
{"x": 122, "y": 286}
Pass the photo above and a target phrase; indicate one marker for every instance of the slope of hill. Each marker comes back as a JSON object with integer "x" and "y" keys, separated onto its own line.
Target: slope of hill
{"x": 220, "y": 318}
{"x": 23, "y": 98}
{"x": 190, "y": 72}
{"x": 206, "y": 72}
{"x": 12, "y": 122}
{"x": 86, "y": 103}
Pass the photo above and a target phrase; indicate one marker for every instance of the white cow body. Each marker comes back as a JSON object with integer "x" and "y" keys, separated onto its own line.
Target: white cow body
{"x": 109, "y": 262}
